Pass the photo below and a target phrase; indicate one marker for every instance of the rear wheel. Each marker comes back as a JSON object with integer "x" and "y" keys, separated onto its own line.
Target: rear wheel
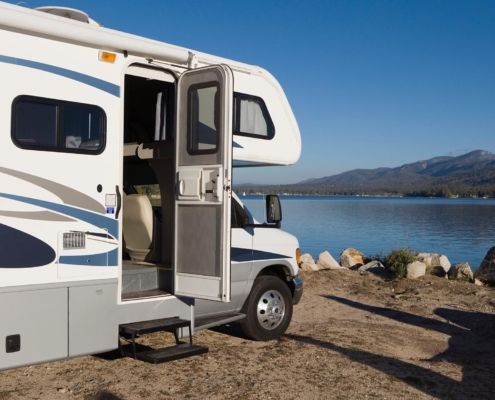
{"x": 268, "y": 309}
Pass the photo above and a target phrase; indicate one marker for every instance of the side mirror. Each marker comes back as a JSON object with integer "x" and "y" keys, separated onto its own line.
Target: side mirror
{"x": 273, "y": 209}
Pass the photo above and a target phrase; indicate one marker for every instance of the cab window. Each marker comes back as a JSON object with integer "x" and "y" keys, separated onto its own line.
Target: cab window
{"x": 238, "y": 215}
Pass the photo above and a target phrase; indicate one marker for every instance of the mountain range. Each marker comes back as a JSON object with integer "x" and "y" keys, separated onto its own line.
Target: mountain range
{"x": 468, "y": 174}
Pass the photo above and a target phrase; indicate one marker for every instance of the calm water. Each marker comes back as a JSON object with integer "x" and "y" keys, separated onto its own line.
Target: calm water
{"x": 463, "y": 229}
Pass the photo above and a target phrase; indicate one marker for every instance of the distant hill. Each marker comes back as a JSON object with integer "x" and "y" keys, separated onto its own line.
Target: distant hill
{"x": 469, "y": 174}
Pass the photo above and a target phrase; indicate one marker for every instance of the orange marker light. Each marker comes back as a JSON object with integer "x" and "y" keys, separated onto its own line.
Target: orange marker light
{"x": 298, "y": 256}
{"x": 107, "y": 56}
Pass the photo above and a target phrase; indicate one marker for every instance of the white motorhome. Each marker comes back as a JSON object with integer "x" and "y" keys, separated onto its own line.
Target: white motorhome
{"x": 117, "y": 216}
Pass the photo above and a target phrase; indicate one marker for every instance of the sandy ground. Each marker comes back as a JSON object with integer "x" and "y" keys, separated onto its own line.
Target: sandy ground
{"x": 352, "y": 337}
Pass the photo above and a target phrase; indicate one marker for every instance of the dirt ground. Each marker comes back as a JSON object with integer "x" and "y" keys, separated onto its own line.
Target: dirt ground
{"x": 352, "y": 337}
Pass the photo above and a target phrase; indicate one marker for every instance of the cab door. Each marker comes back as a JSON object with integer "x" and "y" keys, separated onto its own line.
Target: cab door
{"x": 203, "y": 183}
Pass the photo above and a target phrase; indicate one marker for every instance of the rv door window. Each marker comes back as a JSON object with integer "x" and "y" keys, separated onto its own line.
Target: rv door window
{"x": 55, "y": 125}
{"x": 203, "y": 118}
{"x": 251, "y": 117}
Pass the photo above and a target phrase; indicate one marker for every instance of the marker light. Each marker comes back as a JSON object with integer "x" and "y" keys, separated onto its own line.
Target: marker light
{"x": 298, "y": 256}
{"x": 106, "y": 56}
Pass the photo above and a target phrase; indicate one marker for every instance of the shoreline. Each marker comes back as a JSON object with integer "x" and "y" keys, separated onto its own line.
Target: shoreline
{"x": 379, "y": 196}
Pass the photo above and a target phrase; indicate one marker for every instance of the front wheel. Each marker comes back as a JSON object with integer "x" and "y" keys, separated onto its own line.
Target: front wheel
{"x": 268, "y": 309}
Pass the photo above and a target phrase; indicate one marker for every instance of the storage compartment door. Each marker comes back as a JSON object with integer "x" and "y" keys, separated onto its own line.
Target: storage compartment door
{"x": 203, "y": 183}
{"x": 33, "y": 326}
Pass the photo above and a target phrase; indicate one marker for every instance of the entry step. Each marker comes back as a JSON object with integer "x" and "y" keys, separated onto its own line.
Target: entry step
{"x": 172, "y": 353}
{"x": 130, "y": 332}
{"x": 136, "y": 329}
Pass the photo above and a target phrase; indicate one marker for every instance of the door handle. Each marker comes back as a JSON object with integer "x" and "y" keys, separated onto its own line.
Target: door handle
{"x": 119, "y": 201}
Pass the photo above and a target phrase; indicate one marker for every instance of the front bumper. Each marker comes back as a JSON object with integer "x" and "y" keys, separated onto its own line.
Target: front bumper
{"x": 298, "y": 289}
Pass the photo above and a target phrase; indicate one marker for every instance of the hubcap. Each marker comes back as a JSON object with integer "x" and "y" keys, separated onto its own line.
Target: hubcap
{"x": 271, "y": 309}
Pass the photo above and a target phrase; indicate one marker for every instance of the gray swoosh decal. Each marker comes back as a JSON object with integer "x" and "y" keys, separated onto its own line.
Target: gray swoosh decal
{"x": 67, "y": 73}
{"x": 101, "y": 221}
{"x": 65, "y": 193}
{"x": 36, "y": 215}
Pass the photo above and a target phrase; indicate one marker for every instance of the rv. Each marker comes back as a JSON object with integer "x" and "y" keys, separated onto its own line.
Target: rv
{"x": 117, "y": 216}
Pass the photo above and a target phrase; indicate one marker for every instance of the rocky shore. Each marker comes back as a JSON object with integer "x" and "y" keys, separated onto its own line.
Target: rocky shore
{"x": 404, "y": 263}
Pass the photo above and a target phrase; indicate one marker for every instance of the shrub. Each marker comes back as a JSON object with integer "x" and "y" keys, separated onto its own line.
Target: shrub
{"x": 397, "y": 260}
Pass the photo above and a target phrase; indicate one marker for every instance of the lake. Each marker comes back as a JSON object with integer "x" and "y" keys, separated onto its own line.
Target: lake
{"x": 462, "y": 229}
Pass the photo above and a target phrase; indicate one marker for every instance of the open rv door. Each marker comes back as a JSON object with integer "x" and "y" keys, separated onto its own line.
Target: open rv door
{"x": 203, "y": 183}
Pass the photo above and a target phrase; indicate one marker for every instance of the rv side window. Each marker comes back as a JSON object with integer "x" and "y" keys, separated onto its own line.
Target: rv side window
{"x": 251, "y": 117}
{"x": 55, "y": 125}
{"x": 203, "y": 118}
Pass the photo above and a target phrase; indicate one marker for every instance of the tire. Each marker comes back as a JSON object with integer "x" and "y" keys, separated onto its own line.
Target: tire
{"x": 268, "y": 309}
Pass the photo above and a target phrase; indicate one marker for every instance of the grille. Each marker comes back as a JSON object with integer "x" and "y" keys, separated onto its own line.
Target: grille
{"x": 74, "y": 240}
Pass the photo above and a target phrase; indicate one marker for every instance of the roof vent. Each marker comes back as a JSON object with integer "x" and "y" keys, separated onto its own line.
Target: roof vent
{"x": 71, "y": 13}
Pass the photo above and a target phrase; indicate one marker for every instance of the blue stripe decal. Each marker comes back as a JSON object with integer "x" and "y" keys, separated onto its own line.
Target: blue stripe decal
{"x": 77, "y": 76}
{"x": 240, "y": 254}
{"x": 96, "y": 260}
{"x": 237, "y": 145}
{"x": 111, "y": 225}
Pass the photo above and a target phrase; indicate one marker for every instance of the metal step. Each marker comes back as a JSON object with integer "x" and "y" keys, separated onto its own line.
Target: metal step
{"x": 136, "y": 329}
{"x": 130, "y": 332}
{"x": 210, "y": 322}
{"x": 171, "y": 353}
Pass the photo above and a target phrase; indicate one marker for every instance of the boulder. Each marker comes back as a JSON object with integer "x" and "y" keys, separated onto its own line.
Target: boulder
{"x": 426, "y": 258}
{"x": 351, "y": 258}
{"x": 308, "y": 263}
{"x": 461, "y": 272}
{"x": 434, "y": 262}
{"x": 416, "y": 270}
{"x": 374, "y": 267}
{"x": 486, "y": 271}
{"x": 326, "y": 261}
{"x": 442, "y": 261}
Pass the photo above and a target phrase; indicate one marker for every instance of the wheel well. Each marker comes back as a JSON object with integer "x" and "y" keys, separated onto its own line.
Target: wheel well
{"x": 280, "y": 271}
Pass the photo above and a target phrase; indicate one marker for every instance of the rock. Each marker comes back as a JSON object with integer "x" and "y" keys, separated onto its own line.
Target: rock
{"x": 351, "y": 258}
{"x": 326, "y": 261}
{"x": 461, "y": 272}
{"x": 434, "y": 260}
{"x": 443, "y": 262}
{"x": 308, "y": 258}
{"x": 477, "y": 282}
{"x": 374, "y": 267}
{"x": 416, "y": 270}
{"x": 307, "y": 267}
{"x": 486, "y": 271}
{"x": 308, "y": 263}
{"x": 426, "y": 258}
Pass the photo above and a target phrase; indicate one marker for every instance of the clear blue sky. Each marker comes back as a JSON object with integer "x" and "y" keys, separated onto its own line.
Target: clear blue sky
{"x": 372, "y": 83}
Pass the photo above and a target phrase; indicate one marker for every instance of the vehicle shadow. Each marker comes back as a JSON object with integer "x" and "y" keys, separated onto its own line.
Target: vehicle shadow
{"x": 232, "y": 329}
{"x": 471, "y": 346}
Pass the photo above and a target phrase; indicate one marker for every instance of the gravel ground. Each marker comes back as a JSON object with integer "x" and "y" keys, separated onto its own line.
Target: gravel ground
{"x": 352, "y": 336}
